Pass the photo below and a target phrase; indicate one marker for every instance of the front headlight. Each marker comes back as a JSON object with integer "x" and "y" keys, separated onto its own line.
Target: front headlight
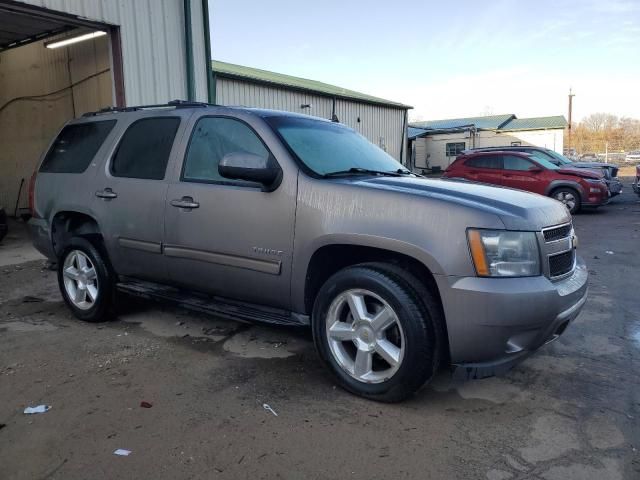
{"x": 501, "y": 253}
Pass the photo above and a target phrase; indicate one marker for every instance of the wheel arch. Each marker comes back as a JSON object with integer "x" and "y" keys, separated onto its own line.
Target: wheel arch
{"x": 554, "y": 185}
{"x": 66, "y": 224}
{"x": 330, "y": 258}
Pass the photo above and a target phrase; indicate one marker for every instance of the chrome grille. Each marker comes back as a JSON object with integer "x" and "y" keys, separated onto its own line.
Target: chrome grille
{"x": 557, "y": 233}
{"x": 562, "y": 263}
{"x": 558, "y": 251}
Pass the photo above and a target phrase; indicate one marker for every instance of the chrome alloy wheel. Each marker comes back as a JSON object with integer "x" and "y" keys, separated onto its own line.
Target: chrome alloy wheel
{"x": 80, "y": 280}
{"x": 568, "y": 198}
{"x": 365, "y": 336}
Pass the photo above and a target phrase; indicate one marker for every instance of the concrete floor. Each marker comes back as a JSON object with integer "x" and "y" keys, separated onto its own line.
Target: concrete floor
{"x": 569, "y": 412}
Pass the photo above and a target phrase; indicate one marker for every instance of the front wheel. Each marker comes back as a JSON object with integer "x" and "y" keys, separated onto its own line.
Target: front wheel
{"x": 371, "y": 331}
{"x": 85, "y": 280}
{"x": 570, "y": 198}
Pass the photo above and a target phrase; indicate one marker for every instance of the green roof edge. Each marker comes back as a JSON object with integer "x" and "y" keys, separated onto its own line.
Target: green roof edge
{"x": 267, "y": 77}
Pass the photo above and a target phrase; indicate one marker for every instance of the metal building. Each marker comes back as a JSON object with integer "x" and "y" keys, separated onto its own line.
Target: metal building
{"x": 383, "y": 122}
{"x": 435, "y": 144}
{"x": 62, "y": 58}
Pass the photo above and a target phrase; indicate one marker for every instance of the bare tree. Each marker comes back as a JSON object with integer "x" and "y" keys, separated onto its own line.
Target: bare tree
{"x": 599, "y": 122}
{"x": 602, "y": 131}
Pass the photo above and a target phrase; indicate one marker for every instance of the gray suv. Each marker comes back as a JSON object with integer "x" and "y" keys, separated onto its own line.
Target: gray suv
{"x": 292, "y": 220}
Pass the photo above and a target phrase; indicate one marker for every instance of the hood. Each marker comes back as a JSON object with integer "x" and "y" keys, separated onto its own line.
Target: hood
{"x": 581, "y": 172}
{"x": 518, "y": 210}
{"x": 594, "y": 165}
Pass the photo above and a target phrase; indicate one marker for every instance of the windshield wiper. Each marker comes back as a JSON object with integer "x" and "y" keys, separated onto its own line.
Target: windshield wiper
{"x": 404, "y": 171}
{"x": 363, "y": 171}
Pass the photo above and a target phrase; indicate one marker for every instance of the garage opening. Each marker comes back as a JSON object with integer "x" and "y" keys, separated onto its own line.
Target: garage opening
{"x": 53, "y": 68}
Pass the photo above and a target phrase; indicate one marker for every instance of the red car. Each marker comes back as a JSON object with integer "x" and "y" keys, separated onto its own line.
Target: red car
{"x": 573, "y": 187}
{"x": 636, "y": 182}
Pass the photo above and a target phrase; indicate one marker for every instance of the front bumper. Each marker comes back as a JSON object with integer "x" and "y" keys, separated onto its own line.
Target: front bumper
{"x": 597, "y": 198}
{"x": 494, "y": 323}
{"x": 615, "y": 186}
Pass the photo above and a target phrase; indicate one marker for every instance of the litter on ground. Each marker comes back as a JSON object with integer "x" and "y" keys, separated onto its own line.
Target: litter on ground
{"x": 38, "y": 409}
{"x": 269, "y": 409}
{"x": 122, "y": 452}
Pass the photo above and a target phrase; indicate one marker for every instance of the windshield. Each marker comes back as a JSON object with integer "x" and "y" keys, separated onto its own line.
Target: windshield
{"x": 543, "y": 159}
{"x": 326, "y": 147}
{"x": 561, "y": 158}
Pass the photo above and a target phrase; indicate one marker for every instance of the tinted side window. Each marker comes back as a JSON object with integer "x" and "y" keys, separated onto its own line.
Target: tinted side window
{"x": 144, "y": 149}
{"x": 76, "y": 146}
{"x": 511, "y": 162}
{"x": 485, "y": 161}
{"x": 212, "y": 139}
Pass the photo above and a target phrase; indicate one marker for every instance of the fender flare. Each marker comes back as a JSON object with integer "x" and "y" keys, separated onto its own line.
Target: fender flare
{"x": 565, "y": 183}
{"x": 302, "y": 264}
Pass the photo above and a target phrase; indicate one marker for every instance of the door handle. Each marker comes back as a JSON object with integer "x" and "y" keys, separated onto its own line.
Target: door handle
{"x": 184, "y": 202}
{"x": 106, "y": 193}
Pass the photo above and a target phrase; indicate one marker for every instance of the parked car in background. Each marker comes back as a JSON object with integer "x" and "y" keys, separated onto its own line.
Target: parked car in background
{"x": 4, "y": 227}
{"x": 636, "y": 182}
{"x": 589, "y": 157}
{"x": 574, "y": 187}
{"x": 608, "y": 170}
{"x": 271, "y": 216}
{"x": 633, "y": 156}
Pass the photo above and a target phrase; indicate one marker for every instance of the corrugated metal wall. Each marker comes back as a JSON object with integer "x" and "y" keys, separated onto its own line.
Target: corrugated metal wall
{"x": 244, "y": 94}
{"x": 153, "y": 46}
{"x": 27, "y": 125}
{"x": 153, "y": 57}
{"x": 381, "y": 125}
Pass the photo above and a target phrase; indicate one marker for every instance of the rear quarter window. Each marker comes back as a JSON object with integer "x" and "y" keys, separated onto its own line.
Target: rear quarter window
{"x": 75, "y": 146}
{"x": 485, "y": 161}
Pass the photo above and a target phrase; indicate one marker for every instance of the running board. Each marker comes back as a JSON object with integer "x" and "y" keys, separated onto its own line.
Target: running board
{"x": 220, "y": 307}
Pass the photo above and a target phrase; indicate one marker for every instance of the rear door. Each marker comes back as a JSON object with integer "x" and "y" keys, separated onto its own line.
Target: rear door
{"x": 130, "y": 193}
{"x": 517, "y": 174}
{"x": 485, "y": 169}
{"x": 228, "y": 237}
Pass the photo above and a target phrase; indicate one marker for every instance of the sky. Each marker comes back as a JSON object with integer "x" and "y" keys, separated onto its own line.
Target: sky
{"x": 447, "y": 59}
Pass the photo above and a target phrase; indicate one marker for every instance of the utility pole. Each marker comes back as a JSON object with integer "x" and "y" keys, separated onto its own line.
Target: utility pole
{"x": 571, "y": 95}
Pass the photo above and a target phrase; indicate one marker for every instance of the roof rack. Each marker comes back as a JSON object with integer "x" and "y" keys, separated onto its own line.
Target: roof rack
{"x": 171, "y": 104}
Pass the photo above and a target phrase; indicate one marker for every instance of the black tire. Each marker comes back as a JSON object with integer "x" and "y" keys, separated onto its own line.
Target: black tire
{"x": 101, "y": 308}
{"x": 420, "y": 358}
{"x": 428, "y": 301}
{"x": 568, "y": 190}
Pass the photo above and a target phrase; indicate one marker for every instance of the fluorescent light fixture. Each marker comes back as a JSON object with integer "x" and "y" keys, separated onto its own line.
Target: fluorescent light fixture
{"x": 79, "y": 38}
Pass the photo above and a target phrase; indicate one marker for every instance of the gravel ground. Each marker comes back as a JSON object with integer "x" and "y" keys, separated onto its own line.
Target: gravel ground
{"x": 569, "y": 412}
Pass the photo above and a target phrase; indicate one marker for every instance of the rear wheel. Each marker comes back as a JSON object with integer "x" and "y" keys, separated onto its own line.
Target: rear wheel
{"x": 570, "y": 198}
{"x": 370, "y": 329}
{"x": 85, "y": 281}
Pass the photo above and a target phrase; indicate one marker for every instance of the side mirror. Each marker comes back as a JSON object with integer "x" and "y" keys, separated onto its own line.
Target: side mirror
{"x": 535, "y": 169}
{"x": 250, "y": 167}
